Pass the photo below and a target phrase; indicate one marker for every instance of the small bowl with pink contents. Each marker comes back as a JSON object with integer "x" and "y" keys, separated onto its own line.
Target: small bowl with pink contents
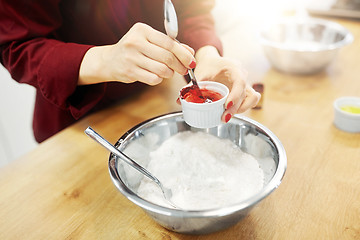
{"x": 204, "y": 108}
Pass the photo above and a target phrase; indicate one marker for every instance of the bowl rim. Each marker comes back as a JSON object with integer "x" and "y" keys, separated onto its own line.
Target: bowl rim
{"x": 348, "y": 36}
{"x": 214, "y": 212}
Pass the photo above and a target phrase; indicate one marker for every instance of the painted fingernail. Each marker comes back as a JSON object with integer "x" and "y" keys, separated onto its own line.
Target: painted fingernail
{"x": 227, "y": 117}
{"x": 229, "y": 105}
{"x": 192, "y": 64}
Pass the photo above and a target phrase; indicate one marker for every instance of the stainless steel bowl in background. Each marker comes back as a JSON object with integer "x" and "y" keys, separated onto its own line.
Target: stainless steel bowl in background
{"x": 303, "y": 46}
{"x": 249, "y": 135}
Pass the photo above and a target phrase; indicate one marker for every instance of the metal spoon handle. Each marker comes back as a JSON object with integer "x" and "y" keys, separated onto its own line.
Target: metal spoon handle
{"x": 191, "y": 71}
{"x": 193, "y": 78}
{"x": 103, "y": 142}
{"x": 192, "y": 75}
{"x": 171, "y": 28}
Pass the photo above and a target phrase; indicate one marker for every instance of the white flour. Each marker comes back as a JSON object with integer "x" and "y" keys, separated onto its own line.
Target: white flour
{"x": 202, "y": 171}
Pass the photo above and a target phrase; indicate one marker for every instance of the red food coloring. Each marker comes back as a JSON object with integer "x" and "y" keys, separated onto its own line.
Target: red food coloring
{"x": 192, "y": 94}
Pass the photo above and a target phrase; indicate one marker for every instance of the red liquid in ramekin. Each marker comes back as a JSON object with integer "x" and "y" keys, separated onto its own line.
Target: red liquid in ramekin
{"x": 192, "y": 94}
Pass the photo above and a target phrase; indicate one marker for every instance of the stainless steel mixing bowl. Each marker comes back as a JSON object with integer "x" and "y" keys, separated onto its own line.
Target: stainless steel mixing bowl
{"x": 249, "y": 135}
{"x": 303, "y": 46}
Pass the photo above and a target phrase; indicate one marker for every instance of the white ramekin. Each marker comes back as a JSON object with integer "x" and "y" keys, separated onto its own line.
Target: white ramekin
{"x": 205, "y": 115}
{"x": 349, "y": 122}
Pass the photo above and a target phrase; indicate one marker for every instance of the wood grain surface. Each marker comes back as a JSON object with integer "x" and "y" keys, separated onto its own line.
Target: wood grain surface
{"x": 62, "y": 189}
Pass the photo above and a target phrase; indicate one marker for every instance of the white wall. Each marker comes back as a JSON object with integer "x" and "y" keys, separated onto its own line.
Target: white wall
{"x": 16, "y": 111}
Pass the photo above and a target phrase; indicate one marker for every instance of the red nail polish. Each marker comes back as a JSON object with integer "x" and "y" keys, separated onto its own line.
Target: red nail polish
{"x": 227, "y": 117}
{"x": 230, "y": 104}
{"x": 192, "y": 64}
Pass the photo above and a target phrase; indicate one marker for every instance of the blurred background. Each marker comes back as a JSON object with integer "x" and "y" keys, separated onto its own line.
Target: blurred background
{"x": 16, "y": 104}
{"x": 17, "y": 100}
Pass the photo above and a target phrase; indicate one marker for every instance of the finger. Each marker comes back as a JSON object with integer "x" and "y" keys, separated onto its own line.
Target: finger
{"x": 150, "y": 56}
{"x": 147, "y": 77}
{"x": 236, "y": 97}
{"x": 156, "y": 67}
{"x": 165, "y": 57}
{"x": 183, "y": 54}
{"x": 135, "y": 73}
{"x": 233, "y": 103}
{"x": 190, "y": 49}
{"x": 226, "y": 116}
{"x": 251, "y": 99}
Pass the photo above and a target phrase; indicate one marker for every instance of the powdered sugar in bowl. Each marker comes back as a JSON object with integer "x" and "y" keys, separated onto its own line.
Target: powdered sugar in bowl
{"x": 143, "y": 143}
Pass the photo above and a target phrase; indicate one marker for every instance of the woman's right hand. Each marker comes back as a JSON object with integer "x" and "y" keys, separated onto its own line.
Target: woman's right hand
{"x": 143, "y": 54}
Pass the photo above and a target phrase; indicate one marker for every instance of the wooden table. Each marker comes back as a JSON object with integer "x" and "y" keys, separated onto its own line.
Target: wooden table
{"x": 62, "y": 189}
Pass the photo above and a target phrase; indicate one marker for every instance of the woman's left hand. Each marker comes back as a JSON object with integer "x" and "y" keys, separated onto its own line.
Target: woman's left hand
{"x": 210, "y": 66}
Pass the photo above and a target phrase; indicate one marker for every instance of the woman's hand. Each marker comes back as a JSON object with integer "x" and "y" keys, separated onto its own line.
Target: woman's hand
{"x": 212, "y": 67}
{"x": 142, "y": 54}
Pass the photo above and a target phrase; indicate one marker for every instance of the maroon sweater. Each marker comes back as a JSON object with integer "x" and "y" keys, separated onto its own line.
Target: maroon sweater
{"x": 42, "y": 43}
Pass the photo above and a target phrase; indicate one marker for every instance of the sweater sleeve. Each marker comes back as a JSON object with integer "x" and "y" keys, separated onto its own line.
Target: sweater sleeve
{"x": 32, "y": 56}
{"x": 196, "y": 23}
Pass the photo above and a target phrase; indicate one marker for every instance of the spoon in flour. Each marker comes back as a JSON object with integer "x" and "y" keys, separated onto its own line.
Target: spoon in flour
{"x": 171, "y": 28}
{"x": 103, "y": 142}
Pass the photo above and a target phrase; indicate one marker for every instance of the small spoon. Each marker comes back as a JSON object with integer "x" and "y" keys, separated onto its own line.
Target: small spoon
{"x": 103, "y": 142}
{"x": 171, "y": 28}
